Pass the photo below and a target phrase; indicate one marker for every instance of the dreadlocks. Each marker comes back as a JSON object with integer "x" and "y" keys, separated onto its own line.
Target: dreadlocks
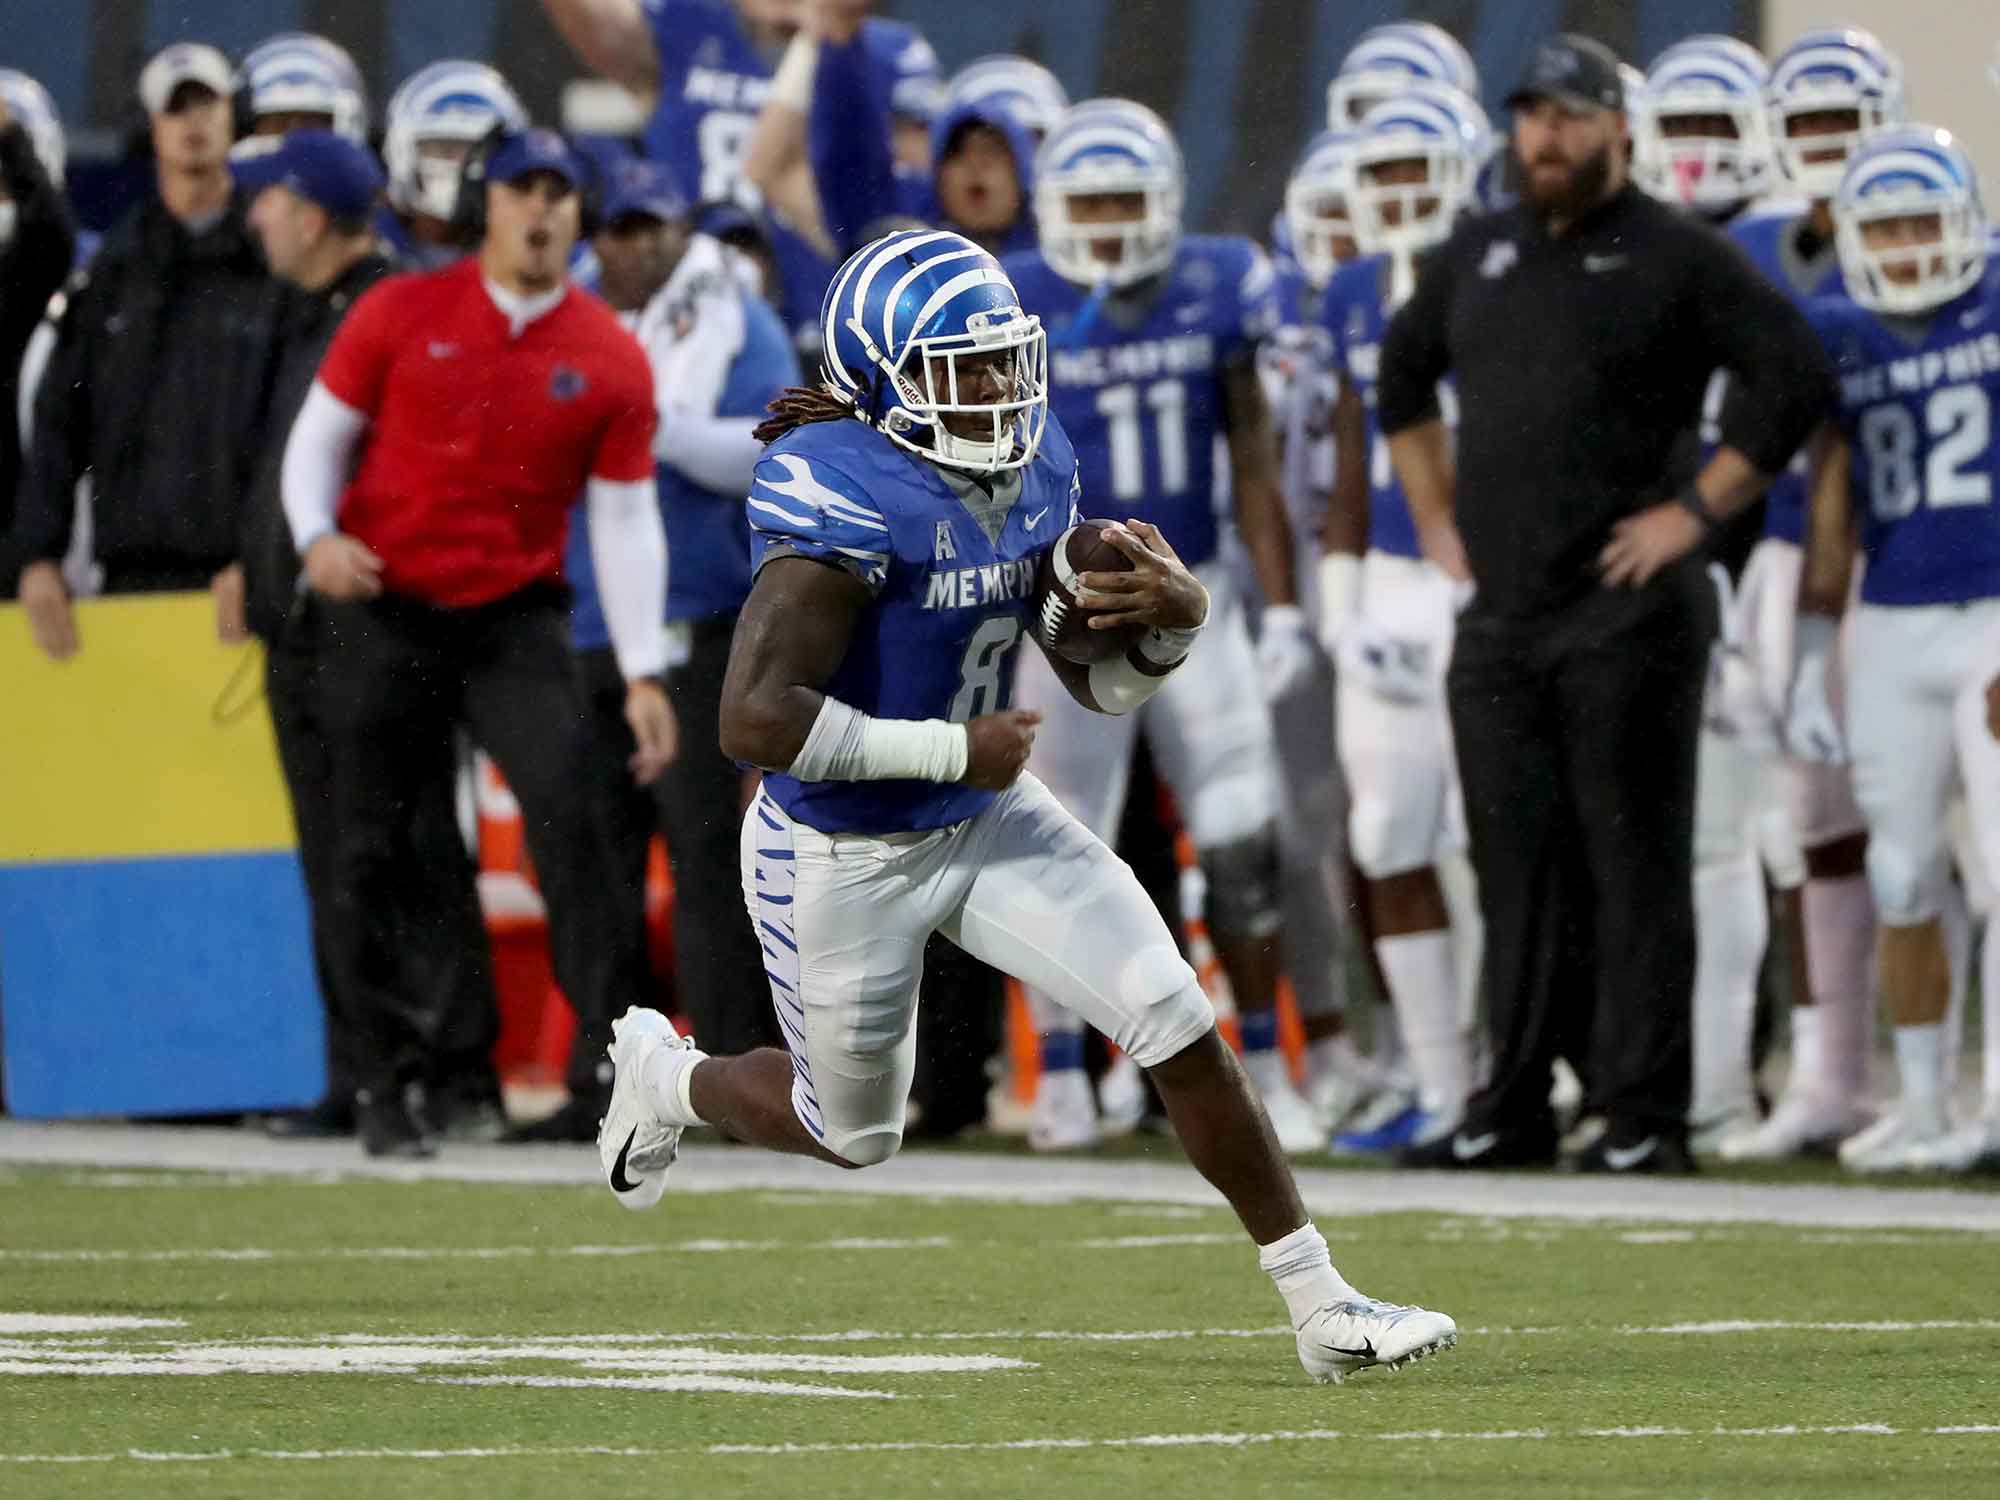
{"x": 799, "y": 406}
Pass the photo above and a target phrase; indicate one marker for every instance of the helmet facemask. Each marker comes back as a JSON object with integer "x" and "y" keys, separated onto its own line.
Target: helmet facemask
{"x": 1408, "y": 188}
{"x": 990, "y": 382}
{"x": 1119, "y": 251}
{"x": 1939, "y": 254}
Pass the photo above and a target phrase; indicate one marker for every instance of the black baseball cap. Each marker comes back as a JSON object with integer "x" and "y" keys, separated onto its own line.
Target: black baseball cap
{"x": 1572, "y": 70}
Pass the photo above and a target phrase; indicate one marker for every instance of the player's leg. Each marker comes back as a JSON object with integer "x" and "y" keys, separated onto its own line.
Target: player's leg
{"x": 1397, "y": 760}
{"x": 1312, "y": 862}
{"x": 1210, "y": 731}
{"x": 1053, "y": 905}
{"x": 1976, "y": 1144}
{"x": 1085, "y": 759}
{"x": 842, "y": 921}
{"x": 1900, "y": 734}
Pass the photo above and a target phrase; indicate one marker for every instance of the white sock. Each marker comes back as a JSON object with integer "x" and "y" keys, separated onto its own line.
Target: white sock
{"x": 1423, "y": 983}
{"x": 1267, "y": 1070}
{"x": 1460, "y": 886}
{"x": 1839, "y": 919}
{"x": 1920, "y": 1065}
{"x": 665, "y": 1080}
{"x": 1806, "y": 1075}
{"x": 1303, "y": 1270}
{"x": 1336, "y": 1056}
{"x": 1731, "y": 927}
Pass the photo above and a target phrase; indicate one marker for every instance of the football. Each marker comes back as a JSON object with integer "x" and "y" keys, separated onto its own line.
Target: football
{"x": 1062, "y": 627}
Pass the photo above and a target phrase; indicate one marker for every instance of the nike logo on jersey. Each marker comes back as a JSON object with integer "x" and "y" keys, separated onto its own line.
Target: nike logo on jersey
{"x": 620, "y": 1183}
{"x": 1596, "y": 263}
{"x": 1469, "y": 1147}
{"x": 1972, "y": 317}
{"x": 440, "y": 349}
{"x": 1036, "y": 519}
{"x": 1625, "y": 1158}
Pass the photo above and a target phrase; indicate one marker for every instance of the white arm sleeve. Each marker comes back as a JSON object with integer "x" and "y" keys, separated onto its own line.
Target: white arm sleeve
{"x": 847, "y": 745}
{"x": 319, "y": 457}
{"x": 717, "y": 453}
{"x": 1118, "y": 686}
{"x": 628, "y": 552}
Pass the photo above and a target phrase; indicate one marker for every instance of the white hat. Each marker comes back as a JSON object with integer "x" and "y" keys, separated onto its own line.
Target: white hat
{"x": 183, "y": 62}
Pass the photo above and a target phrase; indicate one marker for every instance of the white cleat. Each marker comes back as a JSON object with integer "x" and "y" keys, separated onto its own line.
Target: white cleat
{"x": 1361, "y": 1333}
{"x": 1888, "y": 1144}
{"x": 1341, "y": 1082}
{"x": 1293, "y": 1121}
{"x": 1967, "y": 1149}
{"x": 1065, "y": 1112}
{"x": 1802, "y": 1123}
{"x": 633, "y": 1146}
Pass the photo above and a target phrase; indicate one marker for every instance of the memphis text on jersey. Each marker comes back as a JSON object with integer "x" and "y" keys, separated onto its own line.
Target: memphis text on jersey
{"x": 1967, "y": 360}
{"x": 991, "y": 583}
{"x": 1142, "y": 359}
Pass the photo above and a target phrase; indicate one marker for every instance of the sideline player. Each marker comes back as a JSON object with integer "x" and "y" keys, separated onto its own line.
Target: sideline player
{"x": 899, "y": 517}
{"x": 1154, "y": 339}
{"x": 1919, "y": 367}
{"x": 1387, "y": 612}
{"x": 1827, "y": 90}
{"x": 435, "y": 121}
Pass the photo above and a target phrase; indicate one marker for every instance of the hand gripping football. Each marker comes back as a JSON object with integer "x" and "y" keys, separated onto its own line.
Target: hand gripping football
{"x": 1060, "y": 624}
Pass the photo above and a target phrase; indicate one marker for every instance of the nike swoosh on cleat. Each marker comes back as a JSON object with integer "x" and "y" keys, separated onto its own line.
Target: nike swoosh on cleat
{"x": 1366, "y": 1351}
{"x": 620, "y": 1183}
{"x": 1624, "y": 1158}
{"x": 1467, "y": 1147}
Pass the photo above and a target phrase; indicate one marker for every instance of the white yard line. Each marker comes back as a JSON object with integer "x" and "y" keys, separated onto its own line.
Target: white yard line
{"x": 65, "y": 1323}
{"x": 1010, "y": 1178}
{"x": 1013, "y": 1445}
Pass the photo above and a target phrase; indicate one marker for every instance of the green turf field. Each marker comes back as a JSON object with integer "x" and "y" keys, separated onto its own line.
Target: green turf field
{"x": 453, "y": 1339}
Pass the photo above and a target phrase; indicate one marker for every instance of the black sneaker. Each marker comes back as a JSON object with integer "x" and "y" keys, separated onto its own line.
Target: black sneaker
{"x": 1470, "y": 1149}
{"x": 1618, "y": 1151}
{"x": 388, "y": 1127}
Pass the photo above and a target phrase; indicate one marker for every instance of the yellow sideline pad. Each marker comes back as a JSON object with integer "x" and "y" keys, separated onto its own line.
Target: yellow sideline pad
{"x": 152, "y": 740}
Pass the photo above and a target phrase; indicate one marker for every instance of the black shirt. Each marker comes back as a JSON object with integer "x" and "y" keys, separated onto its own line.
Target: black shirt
{"x": 1580, "y": 363}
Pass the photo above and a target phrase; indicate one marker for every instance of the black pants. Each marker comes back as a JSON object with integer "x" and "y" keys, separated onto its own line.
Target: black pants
{"x": 397, "y": 677}
{"x": 697, "y": 803}
{"x": 442, "y": 939}
{"x": 1576, "y": 741}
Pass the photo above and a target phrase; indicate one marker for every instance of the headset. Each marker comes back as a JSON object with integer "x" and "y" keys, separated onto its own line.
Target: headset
{"x": 468, "y": 213}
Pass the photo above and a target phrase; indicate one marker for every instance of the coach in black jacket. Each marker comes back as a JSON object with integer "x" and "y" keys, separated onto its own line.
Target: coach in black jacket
{"x": 37, "y": 245}
{"x": 1581, "y": 329}
{"x": 157, "y": 389}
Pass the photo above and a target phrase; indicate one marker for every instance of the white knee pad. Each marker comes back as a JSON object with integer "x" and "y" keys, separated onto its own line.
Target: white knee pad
{"x": 1907, "y": 883}
{"x": 869, "y": 1148}
{"x": 1166, "y": 1027}
{"x": 1234, "y": 806}
{"x": 1389, "y": 835}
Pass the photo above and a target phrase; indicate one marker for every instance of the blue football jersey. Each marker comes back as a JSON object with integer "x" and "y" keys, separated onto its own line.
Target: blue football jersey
{"x": 1917, "y": 403}
{"x": 1766, "y": 235}
{"x": 1137, "y": 382}
{"x": 951, "y": 600}
{"x": 1355, "y": 317}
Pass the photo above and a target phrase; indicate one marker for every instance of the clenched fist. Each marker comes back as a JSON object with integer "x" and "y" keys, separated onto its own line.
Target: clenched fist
{"x": 997, "y": 746}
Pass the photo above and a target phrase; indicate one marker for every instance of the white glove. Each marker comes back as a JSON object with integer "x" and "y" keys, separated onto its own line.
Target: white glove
{"x": 1393, "y": 668}
{"x": 1812, "y": 731}
{"x": 1284, "y": 649}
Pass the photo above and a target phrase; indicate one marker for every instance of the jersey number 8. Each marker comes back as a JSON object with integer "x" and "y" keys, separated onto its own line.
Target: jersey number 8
{"x": 986, "y": 656}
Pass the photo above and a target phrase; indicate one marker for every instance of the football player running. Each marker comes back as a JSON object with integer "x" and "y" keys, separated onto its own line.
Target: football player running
{"x": 1826, "y": 91}
{"x": 1913, "y": 462}
{"x": 1154, "y": 339}
{"x": 1386, "y": 614}
{"x": 899, "y": 517}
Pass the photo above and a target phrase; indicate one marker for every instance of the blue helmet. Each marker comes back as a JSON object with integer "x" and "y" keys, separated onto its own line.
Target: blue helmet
{"x": 296, "y": 72}
{"x": 899, "y": 318}
{"x": 1389, "y": 58}
{"x": 1841, "y": 69}
{"x": 1020, "y": 85}
{"x": 1110, "y": 146}
{"x": 30, "y": 105}
{"x": 1318, "y": 214}
{"x": 1913, "y": 172}
{"x": 453, "y": 104}
{"x": 1427, "y": 122}
{"x": 1704, "y": 77}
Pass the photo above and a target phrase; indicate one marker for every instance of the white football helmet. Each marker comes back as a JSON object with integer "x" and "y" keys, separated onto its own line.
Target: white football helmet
{"x": 1840, "y": 69}
{"x": 454, "y": 102}
{"x": 1910, "y": 172}
{"x": 1431, "y": 123}
{"x": 29, "y": 103}
{"x": 1388, "y": 59}
{"x": 1704, "y": 78}
{"x": 1110, "y": 146}
{"x": 296, "y": 72}
{"x": 1318, "y": 216}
